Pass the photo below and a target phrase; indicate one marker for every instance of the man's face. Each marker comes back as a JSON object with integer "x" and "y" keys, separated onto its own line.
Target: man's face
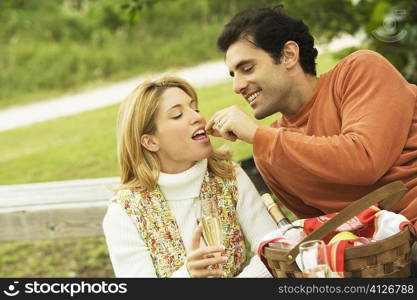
{"x": 264, "y": 84}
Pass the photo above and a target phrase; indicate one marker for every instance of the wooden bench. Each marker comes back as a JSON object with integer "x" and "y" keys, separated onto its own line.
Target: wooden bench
{"x": 51, "y": 210}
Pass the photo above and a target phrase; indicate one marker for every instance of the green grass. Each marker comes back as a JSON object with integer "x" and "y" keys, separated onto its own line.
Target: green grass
{"x": 87, "y": 257}
{"x": 75, "y": 147}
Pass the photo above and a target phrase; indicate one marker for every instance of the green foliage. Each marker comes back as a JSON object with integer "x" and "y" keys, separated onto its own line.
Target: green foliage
{"x": 326, "y": 18}
{"x": 390, "y": 26}
{"x": 338, "y": 55}
{"x": 396, "y": 39}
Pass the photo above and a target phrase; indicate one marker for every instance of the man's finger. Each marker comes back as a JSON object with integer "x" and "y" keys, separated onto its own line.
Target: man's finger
{"x": 210, "y": 124}
{"x": 228, "y": 134}
{"x": 217, "y": 117}
{"x": 215, "y": 132}
{"x": 231, "y": 136}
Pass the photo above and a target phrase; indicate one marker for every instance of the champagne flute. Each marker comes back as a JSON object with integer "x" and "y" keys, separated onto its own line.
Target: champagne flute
{"x": 314, "y": 259}
{"x": 212, "y": 228}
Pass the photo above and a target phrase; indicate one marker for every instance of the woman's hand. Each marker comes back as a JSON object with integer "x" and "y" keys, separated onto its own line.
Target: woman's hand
{"x": 198, "y": 259}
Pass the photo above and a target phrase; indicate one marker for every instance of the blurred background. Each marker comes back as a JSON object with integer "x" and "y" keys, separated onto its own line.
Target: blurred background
{"x": 52, "y": 48}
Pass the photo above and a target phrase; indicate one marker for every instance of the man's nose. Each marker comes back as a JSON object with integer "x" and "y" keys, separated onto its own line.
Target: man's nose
{"x": 239, "y": 84}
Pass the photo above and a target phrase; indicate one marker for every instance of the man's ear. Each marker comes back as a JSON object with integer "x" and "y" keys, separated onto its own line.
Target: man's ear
{"x": 290, "y": 54}
{"x": 149, "y": 142}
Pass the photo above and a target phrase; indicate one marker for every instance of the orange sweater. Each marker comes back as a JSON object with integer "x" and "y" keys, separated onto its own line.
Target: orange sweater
{"x": 357, "y": 133}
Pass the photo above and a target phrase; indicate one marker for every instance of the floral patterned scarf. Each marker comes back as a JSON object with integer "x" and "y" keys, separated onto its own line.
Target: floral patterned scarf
{"x": 159, "y": 230}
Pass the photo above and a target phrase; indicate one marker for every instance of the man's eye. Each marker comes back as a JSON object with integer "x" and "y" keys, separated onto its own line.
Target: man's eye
{"x": 196, "y": 110}
{"x": 247, "y": 69}
{"x": 177, "y": 116}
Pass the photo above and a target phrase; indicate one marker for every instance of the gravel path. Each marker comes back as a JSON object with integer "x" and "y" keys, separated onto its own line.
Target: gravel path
{"x": 19, "y": 116}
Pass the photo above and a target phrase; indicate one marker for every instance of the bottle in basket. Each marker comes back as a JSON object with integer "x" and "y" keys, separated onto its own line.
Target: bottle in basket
{"x": 289, "y": 232}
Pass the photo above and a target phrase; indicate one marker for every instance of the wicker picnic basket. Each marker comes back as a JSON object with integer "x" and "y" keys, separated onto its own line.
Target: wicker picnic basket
{"x": 382, "y": 259}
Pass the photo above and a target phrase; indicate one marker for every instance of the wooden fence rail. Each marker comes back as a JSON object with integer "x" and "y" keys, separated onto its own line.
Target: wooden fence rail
{"x": 50, "y": 210}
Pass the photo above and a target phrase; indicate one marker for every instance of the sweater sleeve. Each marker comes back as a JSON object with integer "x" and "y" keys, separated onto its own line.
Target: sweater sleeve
{"x": 129, "y": 255}
{"x": 376, "y": 111}
{"x": 255, "y": 222}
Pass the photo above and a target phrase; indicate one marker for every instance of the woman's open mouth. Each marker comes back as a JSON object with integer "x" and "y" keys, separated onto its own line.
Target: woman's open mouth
{"x": 200, "y": 136}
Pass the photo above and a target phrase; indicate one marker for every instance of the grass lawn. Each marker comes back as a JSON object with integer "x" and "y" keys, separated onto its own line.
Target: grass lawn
{"x": 75, "y": 147}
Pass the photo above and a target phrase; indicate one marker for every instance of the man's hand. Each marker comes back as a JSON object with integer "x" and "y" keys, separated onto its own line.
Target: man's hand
{"x": 232, "y": 123}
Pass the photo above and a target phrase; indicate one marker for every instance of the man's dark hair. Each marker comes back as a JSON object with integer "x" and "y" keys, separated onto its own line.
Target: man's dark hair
{"x": 270, "y": 29}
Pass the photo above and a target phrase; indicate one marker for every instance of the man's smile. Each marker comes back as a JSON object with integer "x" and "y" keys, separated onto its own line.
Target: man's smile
{"x": 250, "y": 97}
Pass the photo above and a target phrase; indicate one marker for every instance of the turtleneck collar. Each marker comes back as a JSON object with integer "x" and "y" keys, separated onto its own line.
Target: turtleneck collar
{"x": 183, "y": 185}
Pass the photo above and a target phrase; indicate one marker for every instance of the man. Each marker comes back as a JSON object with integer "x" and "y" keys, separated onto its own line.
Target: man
{"x": 340, "y": 136}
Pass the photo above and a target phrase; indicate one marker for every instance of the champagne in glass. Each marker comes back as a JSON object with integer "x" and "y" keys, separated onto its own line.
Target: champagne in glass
{"x": 212, "y": 232}
{"x": 212, "y": 228}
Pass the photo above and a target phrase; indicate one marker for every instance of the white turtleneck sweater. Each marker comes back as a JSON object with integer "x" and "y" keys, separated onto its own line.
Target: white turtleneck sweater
{"x": 129, "y": 254}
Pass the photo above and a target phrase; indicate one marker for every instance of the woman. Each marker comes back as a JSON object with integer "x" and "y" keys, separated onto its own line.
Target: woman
{"x": 167, "y": 165}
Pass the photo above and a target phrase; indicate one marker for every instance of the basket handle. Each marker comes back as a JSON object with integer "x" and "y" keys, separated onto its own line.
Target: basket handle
{"x": 386, "y": 195}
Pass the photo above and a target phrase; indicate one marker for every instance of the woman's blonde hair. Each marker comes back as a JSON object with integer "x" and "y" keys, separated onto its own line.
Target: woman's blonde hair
{"x": 139, "y": 167}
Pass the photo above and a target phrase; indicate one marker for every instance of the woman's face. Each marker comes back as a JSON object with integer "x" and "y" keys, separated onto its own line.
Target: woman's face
{"x": 180, "y": 137}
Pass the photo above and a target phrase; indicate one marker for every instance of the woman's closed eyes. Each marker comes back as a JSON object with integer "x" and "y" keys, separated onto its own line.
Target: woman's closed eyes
{"x": 180, "y": 115}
